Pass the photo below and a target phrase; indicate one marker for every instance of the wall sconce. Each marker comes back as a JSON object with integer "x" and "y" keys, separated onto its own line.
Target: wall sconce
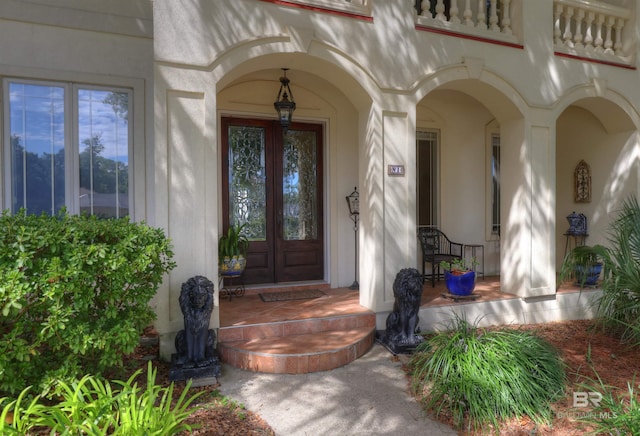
{"x": 353, "y": 200}
{"x": 283, "y": 105}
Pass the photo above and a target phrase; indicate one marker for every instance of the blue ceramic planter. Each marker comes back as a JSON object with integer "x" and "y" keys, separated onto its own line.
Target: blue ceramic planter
{"x": 462, "y": 284}
{"x": 588, "y": 276}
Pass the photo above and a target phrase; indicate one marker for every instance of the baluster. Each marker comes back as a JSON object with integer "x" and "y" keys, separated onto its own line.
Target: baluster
{"x": 493, "y": 16}
{"x": 588, "y": 38}
{"x": 440, "y": 11}
{"x": 482, "y": 17}
{"x": 468, "y": 13}
{"x": 577, "y": 39}
{"x": 619, "y": 27}
{"x": 453, "y": 12}
{"x": 566, "y": 36}
{"x": 506, "y": 17}
{"x": 426, "y": 9}
{"x": 598, "y": 42}
{"x": 557, "y": 31}
{"x": 608, "y": 43}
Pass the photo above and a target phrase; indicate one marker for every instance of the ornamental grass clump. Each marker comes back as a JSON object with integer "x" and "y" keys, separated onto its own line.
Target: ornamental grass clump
{"x": 617, "y": 412}
{"x": 481, "y": 377}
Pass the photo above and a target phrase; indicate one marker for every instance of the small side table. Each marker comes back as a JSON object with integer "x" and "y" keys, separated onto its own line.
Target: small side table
{"x": 231, "y": 286}
{"x": 476, "y": 249}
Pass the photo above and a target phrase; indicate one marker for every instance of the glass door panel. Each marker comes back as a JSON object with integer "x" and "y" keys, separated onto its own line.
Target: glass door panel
{"x": 299, "y": 186}
{"x": 247, "y": 180}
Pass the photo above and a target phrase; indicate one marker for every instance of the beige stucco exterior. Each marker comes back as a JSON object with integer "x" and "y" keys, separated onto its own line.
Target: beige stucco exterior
{"x": 371, "y": 80}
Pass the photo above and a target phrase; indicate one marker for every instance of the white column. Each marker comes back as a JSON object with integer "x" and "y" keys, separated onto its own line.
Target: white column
{"x": 557, "y": 30}
{"x": 608, "y": 43}
{"x": 566, "y": 36}
{"x": 440, "y": 11}
{"x": 506, "y": 17}
{"x": 588, "y": 38}
{"x": 599, "y": 41}
{"x": 577, "y": 39}
{"x": 453, "y": 12}
{"x": 468, "y": 14}
{"x": 426, "y": 8}
{"x": 493, "y": 16}
{"x": 619, "y": 27}
{"x": 482, "y": 16}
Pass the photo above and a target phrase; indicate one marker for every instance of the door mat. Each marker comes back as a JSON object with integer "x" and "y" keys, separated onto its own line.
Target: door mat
{"x": 269, "y": 297}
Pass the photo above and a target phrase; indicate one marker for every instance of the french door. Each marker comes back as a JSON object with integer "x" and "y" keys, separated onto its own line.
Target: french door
{"x": 272, "y": 183}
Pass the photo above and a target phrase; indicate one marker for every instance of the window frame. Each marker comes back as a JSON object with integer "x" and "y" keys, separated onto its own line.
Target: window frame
{"x": 435, "y": 173}
{"x": 71, "y": 140}
{"x": 492, "y": 131}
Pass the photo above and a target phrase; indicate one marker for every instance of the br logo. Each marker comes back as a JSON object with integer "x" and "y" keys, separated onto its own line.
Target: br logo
{"x": 586, "y": 399}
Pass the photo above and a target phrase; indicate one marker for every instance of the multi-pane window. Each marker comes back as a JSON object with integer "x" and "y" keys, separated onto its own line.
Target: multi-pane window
{"x": 37, "y": 147}
{"x": 52, "y": 126}
{"x": 427, "y": 171}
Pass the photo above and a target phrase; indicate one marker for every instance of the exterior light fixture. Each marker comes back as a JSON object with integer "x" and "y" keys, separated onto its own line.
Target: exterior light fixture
{"x": 284, "y": 103}
{"x": 353, "y": 200}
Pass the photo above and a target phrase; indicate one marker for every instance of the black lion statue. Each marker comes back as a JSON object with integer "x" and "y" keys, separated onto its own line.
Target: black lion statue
{"x": 195, "y": 345}
{"x": 402, "y": 323}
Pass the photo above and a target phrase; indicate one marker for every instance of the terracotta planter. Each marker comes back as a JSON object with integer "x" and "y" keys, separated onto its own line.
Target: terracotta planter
{"x": 460, "y": 284}
{"x": 232, "y": 266}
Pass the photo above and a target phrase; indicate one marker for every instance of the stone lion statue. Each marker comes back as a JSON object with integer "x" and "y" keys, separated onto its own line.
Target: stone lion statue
{"x": 402, "y": 323}
{"x": 195, "y": 345}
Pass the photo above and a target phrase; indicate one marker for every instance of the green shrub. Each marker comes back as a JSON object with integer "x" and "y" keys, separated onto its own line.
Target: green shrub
{"x": 482, "y": 376}
{"x": 619, "y": 306}
{"x": 74, "y": 294}
{"x": 92, "y": 406}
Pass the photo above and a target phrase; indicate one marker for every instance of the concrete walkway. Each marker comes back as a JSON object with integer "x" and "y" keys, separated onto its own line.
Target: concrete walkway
{"x": 367, "y": 397}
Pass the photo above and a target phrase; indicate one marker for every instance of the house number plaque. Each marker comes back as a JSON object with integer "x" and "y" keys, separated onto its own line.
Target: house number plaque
{"x": 395, "y": 170}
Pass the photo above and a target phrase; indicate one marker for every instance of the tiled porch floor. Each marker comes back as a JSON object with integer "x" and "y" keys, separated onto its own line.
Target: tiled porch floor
{"x": 303, "y": 336}
{"x": 250, "y": 309}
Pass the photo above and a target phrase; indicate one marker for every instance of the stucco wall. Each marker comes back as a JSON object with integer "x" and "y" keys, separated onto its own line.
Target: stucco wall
{"x": 371, "y": 83}
{"x": 88, "y": 43}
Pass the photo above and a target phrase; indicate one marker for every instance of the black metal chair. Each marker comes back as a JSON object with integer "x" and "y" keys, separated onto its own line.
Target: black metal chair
{"x": 437, "y": 247}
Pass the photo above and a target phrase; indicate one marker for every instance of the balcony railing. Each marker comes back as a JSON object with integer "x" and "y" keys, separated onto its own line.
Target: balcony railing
{"x": 584, "y": 29}
{"x": 353, "y": 7}
{"x": 486, "y": 19}
{"x": 593, "y": 30}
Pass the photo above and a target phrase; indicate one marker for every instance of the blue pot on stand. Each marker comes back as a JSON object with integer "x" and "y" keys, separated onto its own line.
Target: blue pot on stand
{"x": 460, "y": 284}
{"x": 588, "y": 275}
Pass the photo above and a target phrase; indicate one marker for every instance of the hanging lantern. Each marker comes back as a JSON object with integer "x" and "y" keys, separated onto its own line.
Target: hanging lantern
{"x": 284, "y": 103}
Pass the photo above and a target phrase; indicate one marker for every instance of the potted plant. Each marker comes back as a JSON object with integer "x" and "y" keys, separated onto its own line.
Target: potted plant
{"x": 232, "y": 250}
{"x": 584, "y": 263}
{"x": 459, "y": 277}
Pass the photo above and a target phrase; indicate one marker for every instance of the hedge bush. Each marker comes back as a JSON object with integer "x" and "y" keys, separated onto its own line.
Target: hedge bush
{"x": 74, "y": 294}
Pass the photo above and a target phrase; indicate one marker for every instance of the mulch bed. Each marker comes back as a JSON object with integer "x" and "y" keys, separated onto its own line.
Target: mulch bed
{"x": 589, "y": 353}
{"x": 585, "y": 349}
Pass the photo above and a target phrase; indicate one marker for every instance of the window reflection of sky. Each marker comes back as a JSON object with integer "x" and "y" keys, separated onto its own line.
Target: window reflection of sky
{"x": 37, "y": 117}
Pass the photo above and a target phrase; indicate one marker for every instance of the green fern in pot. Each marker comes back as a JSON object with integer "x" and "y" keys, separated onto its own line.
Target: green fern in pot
{"x": 232, "y": 250}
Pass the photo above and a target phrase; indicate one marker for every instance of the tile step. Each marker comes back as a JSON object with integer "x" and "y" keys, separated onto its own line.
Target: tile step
{"x": 295, "y": 327}
{"x": 300, "y": 353}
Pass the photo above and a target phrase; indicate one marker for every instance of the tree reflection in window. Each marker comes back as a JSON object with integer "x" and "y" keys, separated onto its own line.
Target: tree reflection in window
{"x": 300, "y": 192}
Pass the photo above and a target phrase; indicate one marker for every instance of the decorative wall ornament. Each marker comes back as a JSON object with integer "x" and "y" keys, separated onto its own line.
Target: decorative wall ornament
{"x": 582, "y": 182}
